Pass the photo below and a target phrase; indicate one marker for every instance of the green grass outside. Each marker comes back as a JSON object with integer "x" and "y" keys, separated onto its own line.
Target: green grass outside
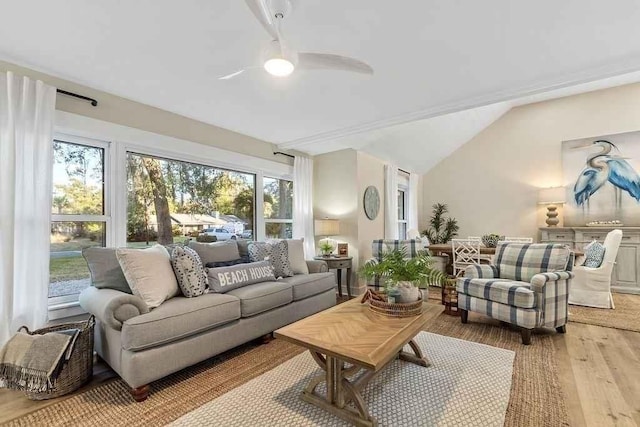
{"x": 70, "y": 268}
{"x": 73, "y": 245}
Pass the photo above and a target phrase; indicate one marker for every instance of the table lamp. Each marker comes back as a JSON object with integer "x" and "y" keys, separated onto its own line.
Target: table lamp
{"x": 551, "y": 197}
{"x": 327, "y": 227}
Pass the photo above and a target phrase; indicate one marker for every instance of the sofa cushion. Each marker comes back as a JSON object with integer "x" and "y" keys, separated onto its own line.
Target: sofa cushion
{"x": 217, "y": 251}
{"x": 149, "y": 273}
{"x": 308, "y": 285}
{"x": 178, "y": 318}
{"x": 517, "y": 294}
{"x": 262, "y": 297}
{"x": 192, "y": 278}
{"x": 522, "y": 261}
{"x": 105, "y": 269}
{"x": 225, "y": 279}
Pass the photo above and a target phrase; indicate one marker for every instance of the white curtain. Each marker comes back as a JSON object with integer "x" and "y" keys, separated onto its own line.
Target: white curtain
{"x": 412, "y": 219}
{"x": 26, "y": 126}
{"x": 390, "y": 202}
{"x": 303, "y": 204}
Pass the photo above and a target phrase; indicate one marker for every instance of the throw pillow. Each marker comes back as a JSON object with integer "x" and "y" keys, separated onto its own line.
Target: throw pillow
{"x": 105, "y": 269}
{"x": 217, "y": 251}
{"x": 277, "y": 254}
{"x": 189, "y": 271}
{"x": 149, "y": 273}
{"x": 594, "y": 254}
{"x": 224, "y": 279}
{"x": 295, "y": 251}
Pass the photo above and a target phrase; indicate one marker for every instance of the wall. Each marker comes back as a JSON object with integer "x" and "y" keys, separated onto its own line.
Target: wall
{"x": 340, "y": 179}
{"x": 491, "y": 183}
{"x": 125, "y": 112}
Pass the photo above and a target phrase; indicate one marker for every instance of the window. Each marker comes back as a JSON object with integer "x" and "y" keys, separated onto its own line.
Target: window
{"x": 171, "y": 200}
{"x": 80, "y": 214}
{"x": 278, "y": 208}
{"x": 402, "y": 213}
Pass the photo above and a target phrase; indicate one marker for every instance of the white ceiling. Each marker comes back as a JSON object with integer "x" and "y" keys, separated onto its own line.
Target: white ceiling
{"x": 431, "y": 57}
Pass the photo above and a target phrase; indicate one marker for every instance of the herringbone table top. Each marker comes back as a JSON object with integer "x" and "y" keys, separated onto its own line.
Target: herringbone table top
{"x": 354, "y": 333}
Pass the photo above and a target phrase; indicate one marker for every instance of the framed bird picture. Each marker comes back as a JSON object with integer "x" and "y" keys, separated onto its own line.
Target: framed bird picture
{"x": 602, "y": 179}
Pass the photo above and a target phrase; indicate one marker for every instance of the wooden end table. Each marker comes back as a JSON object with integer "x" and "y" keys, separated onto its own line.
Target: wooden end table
{"x": 334, "y": 338}
{"x": 339, "y": 263}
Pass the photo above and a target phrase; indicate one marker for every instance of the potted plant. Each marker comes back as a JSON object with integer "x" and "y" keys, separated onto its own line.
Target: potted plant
{"x": 442, "y": 229}
{"x": 326, "y": 248}
{"x": 403, "y": 276}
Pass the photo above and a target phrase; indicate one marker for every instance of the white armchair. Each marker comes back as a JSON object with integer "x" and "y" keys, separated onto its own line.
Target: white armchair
{"x": 592, "y": 286}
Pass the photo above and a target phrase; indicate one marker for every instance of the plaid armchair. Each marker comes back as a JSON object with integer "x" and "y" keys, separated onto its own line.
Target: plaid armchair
{"x": 528, "y": 286}
{"x": 381, "y": 246}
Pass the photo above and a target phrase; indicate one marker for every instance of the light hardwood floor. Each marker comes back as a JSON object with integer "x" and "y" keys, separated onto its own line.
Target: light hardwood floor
{"x": 599, "y": 369}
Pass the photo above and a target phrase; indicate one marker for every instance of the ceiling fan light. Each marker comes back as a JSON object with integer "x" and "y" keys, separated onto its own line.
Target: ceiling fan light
{"x": 279, "y": 67}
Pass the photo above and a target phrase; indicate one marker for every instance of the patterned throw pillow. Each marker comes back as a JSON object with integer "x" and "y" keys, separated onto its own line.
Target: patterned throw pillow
{"x": 594, "y": 254}
{"x": 189, "y": 271}
{"x": 277, "y": 254}
{"x": 224, "y": 279}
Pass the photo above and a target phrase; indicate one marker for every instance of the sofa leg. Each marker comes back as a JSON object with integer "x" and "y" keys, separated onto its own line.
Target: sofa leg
{"x": 266, "y": 339}
{"x": 141, "y": 393}
{"x": 464, "y": 316}
{"x": 562, "y": 329}
{"x": 526, "y": 336}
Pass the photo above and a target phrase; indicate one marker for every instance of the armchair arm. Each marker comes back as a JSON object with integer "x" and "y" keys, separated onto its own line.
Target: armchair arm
{"x": 112, "y": 307}
{"x": 481, "y": 271}
{"x": 540, "y": 280}
{"x": 317, "y": 266}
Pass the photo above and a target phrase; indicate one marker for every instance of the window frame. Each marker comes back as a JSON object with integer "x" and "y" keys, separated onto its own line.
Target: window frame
{"x": 274, "y": 220}
{"x": 66, "y": 302}
{"x": 403, "y": 187}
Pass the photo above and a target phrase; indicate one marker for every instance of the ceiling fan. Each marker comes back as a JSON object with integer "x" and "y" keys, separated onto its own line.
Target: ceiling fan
{"x": 279, "y": 59}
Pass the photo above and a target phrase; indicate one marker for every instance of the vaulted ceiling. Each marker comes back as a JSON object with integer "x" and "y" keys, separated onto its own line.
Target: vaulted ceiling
{"x": 430, "y": 57}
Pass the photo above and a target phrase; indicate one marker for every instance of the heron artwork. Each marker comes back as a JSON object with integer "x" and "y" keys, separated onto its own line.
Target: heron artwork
{"x": 605, "y": 166}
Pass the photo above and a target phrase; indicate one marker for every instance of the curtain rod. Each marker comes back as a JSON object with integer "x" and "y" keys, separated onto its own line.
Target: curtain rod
{"x": 404, "y": 171}
{"x": 75, "y": 95}
{"x": 283, "y": 154}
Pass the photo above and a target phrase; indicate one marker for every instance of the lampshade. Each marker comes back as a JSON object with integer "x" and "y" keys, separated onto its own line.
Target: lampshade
{"x": 327, "y": 227}
{"x": 550, "y": 196}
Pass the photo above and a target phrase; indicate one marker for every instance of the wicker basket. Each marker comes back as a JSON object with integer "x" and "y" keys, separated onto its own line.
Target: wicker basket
{"x": 79, "y": 368}
{"x": 407, "y": 309}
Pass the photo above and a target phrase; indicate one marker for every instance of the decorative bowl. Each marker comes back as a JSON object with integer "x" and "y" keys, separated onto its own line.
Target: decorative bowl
{"x": 491, "y": 240}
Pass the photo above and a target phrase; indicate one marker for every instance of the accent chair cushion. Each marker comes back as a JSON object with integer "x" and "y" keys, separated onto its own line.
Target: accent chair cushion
{"x": 517, "y": 294}
{"x": 189, "y": 271}
{"x": 594, "y": 254}
{"x": 105, "y": 269}
{"x": 224, "y": 279}
{"x": 216, "y": 251}
{"x": 149, "y": 273}
{"x": 178, "y": 318}
{"x": 522, "y": 261}
{"x": 262, "y": 297}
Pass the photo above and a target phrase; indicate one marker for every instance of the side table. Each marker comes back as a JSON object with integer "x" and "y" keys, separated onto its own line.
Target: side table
{"x": 339, "y": 263}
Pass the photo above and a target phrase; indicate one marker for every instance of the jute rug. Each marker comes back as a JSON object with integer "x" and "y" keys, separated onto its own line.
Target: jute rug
{"x": 626, "y": 315}
{"x": 536, "y": 396}
{"x": 467, "y": 384}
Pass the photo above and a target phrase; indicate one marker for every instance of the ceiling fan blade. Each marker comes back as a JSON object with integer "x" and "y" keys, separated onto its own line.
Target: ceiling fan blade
{"x": 232, "y": 75}
{"x": 261, "y": 11}
{"x": 326, "y": 61}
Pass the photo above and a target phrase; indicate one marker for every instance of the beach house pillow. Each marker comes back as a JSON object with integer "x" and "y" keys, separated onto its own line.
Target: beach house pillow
{"x": 224, "y": 279}
{"x": 594, "y": 254}
{"x": 105, "y": 269}
{"x": 149, "y": 273}
{"x": 275, "y": 252}
{"x": 191, "y": 276}
{"x": 216, "y": 252}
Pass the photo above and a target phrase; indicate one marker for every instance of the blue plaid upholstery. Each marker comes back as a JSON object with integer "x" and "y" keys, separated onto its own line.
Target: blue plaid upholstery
{"x": 518, "y": 294}
{"x": 528, "y": 286}
{"x": 382, "y": 246}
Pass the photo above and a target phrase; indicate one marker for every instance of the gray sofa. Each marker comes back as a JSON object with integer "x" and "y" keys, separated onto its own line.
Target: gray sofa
{"x": 143, "y": 346}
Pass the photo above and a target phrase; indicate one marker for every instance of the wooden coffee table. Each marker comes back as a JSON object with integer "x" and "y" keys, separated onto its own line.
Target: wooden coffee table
{"x": 352, "y": 344}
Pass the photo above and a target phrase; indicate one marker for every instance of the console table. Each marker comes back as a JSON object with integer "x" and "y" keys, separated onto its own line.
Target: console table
{"x": 626, "y": 271}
